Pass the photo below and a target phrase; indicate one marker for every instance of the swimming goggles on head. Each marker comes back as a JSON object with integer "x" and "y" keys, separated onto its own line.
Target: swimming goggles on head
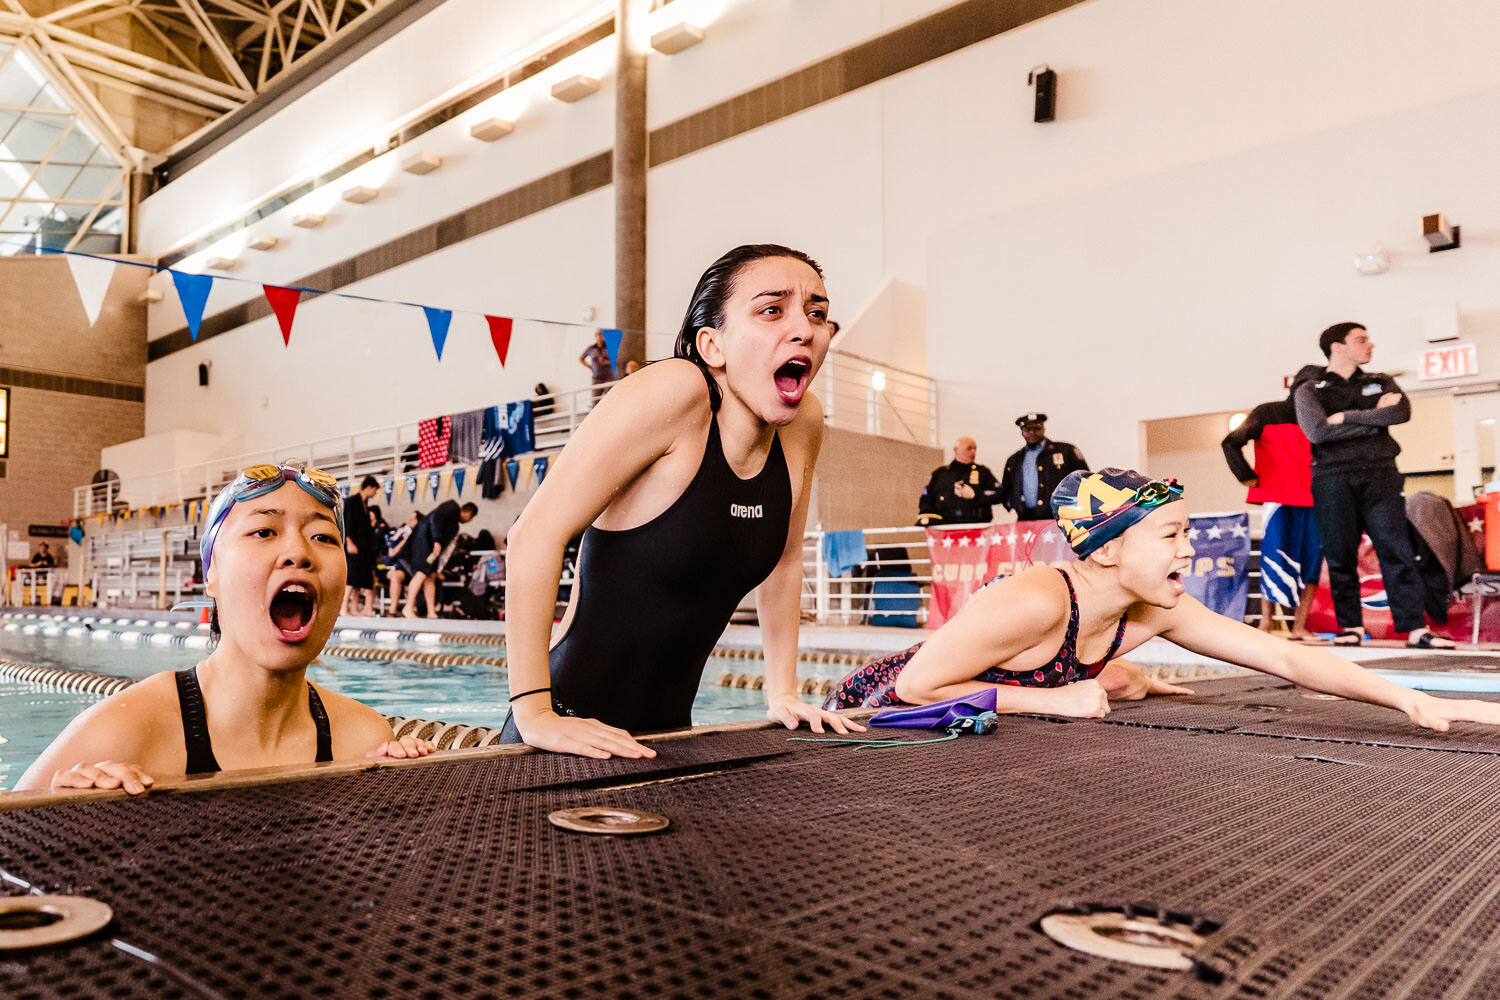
{"x": 258, "y": 480}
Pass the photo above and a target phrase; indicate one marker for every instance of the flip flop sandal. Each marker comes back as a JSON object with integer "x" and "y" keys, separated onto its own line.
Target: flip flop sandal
{"x": 1430, "y": 641}
{"x": 1348, "y": 637}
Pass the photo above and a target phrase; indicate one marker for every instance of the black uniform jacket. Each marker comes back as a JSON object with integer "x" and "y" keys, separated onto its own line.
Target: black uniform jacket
{"x": 1055, "y": 461}
{"x": 940, "y": 505}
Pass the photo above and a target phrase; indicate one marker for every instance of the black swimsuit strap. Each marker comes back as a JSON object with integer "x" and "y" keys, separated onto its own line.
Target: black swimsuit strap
{"x": 1070, "y": 642}
{"x": 200, "y": 750}
{"x": 320, "y": 721}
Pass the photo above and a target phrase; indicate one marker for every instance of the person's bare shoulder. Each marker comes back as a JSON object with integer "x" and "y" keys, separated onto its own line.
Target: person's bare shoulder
{"x": 357, "y": 729}
{"x": 141, "y": 725}
{"x": 1037, "y": 597}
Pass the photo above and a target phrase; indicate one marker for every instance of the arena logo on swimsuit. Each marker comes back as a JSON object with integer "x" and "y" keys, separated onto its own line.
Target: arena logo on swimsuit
{"x": 746, "y": 510}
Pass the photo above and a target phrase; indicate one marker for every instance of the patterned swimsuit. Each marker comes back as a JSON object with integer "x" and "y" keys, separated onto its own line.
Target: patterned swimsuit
{"x": 874, "y": 684}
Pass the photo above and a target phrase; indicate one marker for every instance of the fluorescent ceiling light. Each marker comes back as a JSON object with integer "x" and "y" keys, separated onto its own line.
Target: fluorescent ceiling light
{"x": 491, "y": 129}
{"x": 574, "y": 88}
{"x": 679, "y": 36}
{"x": 421, "y": 163}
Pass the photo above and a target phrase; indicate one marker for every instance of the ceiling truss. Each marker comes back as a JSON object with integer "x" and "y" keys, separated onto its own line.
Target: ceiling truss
{"x": 195, "y": 59}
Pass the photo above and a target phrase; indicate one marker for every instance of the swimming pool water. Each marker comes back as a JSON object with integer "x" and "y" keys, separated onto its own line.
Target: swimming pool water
{"x": 474, "y": 694}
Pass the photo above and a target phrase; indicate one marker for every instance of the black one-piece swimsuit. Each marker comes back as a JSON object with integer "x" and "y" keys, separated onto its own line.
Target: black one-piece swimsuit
{"x": 651, "y": 601}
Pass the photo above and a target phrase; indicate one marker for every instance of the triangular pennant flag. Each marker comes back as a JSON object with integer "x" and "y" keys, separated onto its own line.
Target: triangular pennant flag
{"x": 447, "y": 483}
{"x": 437, "y": 325}
{"x": 75, "y": 533}
{"x": 526, "y": 475}
{"x": 500, "y": 327}
{"x": 284, "y": 305}
{"x": 411, "y": 488}
{"x": 539, "y": 465}
{"x": 612, "y": 344}
{"x": 458, "y": 479}
{"x": 91, "y": 275}
{"x": 513, "y": 470}
{"x": 390, "y": 487}
{"x": 192, "y": 292}
{"x": 432, "y": 483}
{"x": 187, "y": 509}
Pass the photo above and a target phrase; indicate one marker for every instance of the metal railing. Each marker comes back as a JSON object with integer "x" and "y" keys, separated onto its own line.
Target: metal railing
{"x": 32, "y": 586}
{"x": 862, "y": 394}
{"x": 381, "y": 452}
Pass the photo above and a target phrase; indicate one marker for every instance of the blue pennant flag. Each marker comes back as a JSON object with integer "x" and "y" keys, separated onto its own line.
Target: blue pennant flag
{"x": 1220, "y": 573}
{"x": 513, "y": 470}
{"x": 192, "y": 292}
{"x": 539, "y": 466}
{"x": 612, "y": 344}
{"x": 390, "y": 487}
{"x": 432, "y": 483}
{"x": 437, "y": 325}
{"x": 458, "y": 479}
{"x": 76, "y": 534}
{"x": 187, "y": 511}
{"x": 411, "y": 488}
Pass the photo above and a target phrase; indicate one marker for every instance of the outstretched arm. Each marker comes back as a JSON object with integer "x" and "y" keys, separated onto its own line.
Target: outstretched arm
{"x": 1194, "y": 627}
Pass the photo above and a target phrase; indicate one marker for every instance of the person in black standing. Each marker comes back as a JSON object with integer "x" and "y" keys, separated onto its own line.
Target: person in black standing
{"x": 1346, "y": 412}
{"x": 429, "y": 542}
{"x": 961, "y": 492}
{"x": 1032, "y": 473}
{"x": 359, "y": 550}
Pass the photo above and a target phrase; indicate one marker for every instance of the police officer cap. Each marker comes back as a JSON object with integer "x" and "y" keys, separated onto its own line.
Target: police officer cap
{"x": 1031, "y": 418}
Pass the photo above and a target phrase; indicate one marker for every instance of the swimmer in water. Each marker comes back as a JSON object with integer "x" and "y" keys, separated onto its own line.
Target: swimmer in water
{"x": 273, "y": 562}
{"x": 689, "y": 482}
{"x": 1049, "y": 639}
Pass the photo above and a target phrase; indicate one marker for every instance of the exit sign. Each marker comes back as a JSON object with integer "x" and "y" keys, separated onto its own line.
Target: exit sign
{"x": 1452, "y": 361}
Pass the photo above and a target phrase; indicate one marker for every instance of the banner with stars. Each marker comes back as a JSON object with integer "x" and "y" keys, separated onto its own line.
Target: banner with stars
{"x": 964, "y": 559}
{"x": 1220, "y": 573}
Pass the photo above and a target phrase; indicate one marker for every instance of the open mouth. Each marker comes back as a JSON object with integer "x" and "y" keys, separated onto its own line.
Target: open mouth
{"x": 791, "y": 379}
{"x": 292, "y": 611}
{"x": 1175, "y": 579}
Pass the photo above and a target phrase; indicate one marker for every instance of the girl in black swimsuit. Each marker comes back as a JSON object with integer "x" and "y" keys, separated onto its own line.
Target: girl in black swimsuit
{"x": 690, "y": 484}
{"x": 273, "y": 557}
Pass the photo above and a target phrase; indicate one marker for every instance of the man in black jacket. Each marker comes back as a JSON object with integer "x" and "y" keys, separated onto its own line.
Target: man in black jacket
{"x": 961, "y": 492}
{"x": 1346, "y": 413}
{"x": 1032, "y": 473}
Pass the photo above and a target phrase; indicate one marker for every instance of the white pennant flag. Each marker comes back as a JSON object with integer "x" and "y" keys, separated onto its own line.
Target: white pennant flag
{"x": 92, "y": 276}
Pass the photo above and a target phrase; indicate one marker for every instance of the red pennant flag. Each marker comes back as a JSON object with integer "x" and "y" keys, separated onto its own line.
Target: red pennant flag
{"x": 284, "y": 305}
{"x": 500, "y": 335}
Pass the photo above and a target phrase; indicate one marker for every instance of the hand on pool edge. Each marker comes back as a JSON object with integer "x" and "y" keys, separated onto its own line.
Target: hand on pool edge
{"x": 1439, "y": 713}
{"x": 406, "y": 746}
{"x": 585, "y": 737}
{"x": 791, "y": 713}
{"x": 105, "y": 774}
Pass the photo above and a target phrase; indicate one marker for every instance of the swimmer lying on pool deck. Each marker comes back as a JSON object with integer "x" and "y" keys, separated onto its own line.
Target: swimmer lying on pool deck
{"x": 1046, "y": 636}
{"x": 273, "y": 561}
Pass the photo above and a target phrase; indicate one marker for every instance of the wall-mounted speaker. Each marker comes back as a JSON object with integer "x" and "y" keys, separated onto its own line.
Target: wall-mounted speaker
{"x": 1045, "y": 81}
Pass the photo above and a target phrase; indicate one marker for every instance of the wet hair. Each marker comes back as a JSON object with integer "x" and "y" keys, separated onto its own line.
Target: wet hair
{"x": 1335, "y": 334}
{"x": 370, "y": 481}
{"x": 214, "y": 632}
{"x": 471, "y": 508}
{"x": 713, "y": 290}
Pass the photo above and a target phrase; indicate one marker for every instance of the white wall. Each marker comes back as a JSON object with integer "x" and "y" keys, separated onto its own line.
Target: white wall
{"x": 1197, "y": 290}
{"x": 1034, "y": 244}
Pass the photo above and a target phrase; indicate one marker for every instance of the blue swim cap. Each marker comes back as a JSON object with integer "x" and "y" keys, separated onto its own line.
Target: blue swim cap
{"x": 1093, "y": 507}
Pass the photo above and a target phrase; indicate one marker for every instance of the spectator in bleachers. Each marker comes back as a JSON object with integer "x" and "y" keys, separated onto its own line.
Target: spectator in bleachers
{"x": 43, "y": 558}
{"x": 432, "y": 543}
{"x": 632, "y": 366}
{"x": 359, "y": 549}
{"x": 544, "y": 403}
{"x": 600, "y": 365}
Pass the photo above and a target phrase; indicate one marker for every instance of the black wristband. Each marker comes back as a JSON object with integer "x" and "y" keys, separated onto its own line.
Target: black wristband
{"x": 525, "y": 694}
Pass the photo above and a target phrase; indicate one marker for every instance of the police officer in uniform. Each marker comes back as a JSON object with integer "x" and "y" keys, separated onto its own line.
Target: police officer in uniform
{"x": 1032, "y": 473}
{"x": 961, "y": 492}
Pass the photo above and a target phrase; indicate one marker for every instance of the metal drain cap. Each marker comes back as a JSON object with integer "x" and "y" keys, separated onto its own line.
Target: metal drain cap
{"x": 37, "y": 921}
{"x": 1140, "y": 940}
{"x": 607, "y": 820}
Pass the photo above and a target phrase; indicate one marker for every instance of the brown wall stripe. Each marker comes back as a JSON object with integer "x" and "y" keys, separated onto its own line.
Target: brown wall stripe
{"x": 898, "y": 50}
{"x": 25, "y": 378}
